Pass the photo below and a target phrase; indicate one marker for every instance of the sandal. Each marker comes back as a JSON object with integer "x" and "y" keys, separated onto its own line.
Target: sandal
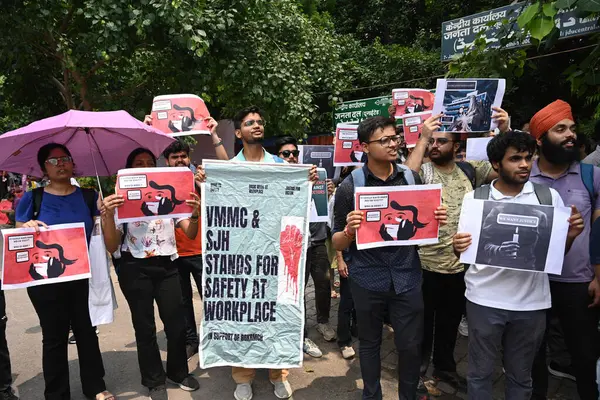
{"x": 106, "y": 395}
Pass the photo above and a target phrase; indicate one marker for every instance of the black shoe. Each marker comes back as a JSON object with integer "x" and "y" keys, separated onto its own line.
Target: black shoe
{"x": 8, "y": 395}
{"x": 189, "y": 383}
{"x": 191, "y": 350}
{"x": 72, "y": 339}
{"x": 451, "y": 378}
{"x": 560, "y": 371}
{"x": 158, "y": 393}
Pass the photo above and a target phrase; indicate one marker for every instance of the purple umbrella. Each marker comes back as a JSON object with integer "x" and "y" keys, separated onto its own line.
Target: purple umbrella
{"x": 99, "y": 142}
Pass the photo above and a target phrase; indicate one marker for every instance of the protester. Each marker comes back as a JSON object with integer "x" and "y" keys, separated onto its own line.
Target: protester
{"x": 60, "y": 305}
{"x": 189, "y": 261}
{"x": 317, "y": 262}
{"x": 147, "y": 274}
{"x": 594, "y": 157}
{"x": 287, "y": 148}
{"x": 385, "y": 277}
{"x": 576, "y": 292}
{"x": 507, "y": 308}
{"x": 249, "y": 127}
{"x": 347, "y": 326}
{"x": 443, "y": 273}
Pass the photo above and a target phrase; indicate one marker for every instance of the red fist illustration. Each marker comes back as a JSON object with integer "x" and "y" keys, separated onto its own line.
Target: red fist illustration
{"x": 290, "y": 245}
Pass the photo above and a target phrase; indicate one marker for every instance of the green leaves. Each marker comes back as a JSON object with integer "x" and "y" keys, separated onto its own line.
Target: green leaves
{"x": 589, "y": 5}
{"x": 564, "y": 4}
{"x": 539, "y": 28}
{"x": 527, "y": 15}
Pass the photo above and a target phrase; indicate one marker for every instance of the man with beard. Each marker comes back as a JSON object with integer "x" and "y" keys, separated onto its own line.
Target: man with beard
{"x": 576, "y": 292}
{"x": 443, "y": 274}
{"x": 386, "y": 279}
{"x": 507, "y": 308}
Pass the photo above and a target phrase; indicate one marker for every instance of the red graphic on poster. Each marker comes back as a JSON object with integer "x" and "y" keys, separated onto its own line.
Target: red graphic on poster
{"x": 410, "y": 101}
{"x": 347, "y": 147}
{"x": 290, "y": 245}
{"x": 180, "y": 114}
{"x": 397, "y": 215}
{"x": 413, "y": 125}
{"x": 57, "y": 254}
{"x": 152, "y": 193}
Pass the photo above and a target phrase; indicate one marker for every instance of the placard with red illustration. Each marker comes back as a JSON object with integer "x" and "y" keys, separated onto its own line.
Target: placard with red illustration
{"x": 154, "y": 193}
{"x": 180, "y": 114}
{"x": 410, "y": 101}
{"x": 413, "y": 125}
{"x": 58, "y": 253}
{"x": 397, "y": 215}
{"x": 347, "y": 147}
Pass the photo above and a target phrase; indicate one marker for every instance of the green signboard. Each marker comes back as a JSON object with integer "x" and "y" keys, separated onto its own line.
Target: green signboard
{"x": 352, "y": 112}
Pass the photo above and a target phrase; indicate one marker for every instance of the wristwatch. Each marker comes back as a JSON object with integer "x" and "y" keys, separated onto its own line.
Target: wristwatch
{"x": 219, "y": 143}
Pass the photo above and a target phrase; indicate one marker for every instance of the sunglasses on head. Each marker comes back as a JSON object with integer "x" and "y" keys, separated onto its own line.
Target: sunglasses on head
{"x": 287, "y": 153}
{"x": 55, "y": 160}
{"x": 250, "y": 122}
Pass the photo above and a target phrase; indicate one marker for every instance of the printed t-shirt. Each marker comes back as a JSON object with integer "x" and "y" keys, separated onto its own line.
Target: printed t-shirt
{"x": 440, "y": 257}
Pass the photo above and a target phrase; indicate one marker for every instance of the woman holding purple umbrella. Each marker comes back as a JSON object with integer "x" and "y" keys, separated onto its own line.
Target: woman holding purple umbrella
{"x": 64, "y": 304}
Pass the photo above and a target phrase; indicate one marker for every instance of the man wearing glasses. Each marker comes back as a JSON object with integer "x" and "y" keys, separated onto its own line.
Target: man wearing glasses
{"x": 443, "y": 274}
{"x": 386, "y": 279}
{"x": 250, "y": 128}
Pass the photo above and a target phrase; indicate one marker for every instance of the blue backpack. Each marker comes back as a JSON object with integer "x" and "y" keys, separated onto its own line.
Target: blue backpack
{"x": 587, "y": 176}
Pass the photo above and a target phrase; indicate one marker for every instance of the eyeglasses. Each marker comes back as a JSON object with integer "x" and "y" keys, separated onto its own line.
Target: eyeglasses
{"x": 440, "y": 141}
{"x": 385, "y": 141}
{"x": 287, "y": 153}
{"x": 55, "y": 160}
{"x": 250, "y": 122}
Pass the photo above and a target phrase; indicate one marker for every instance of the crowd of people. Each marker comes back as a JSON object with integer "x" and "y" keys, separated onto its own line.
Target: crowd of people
{"x": 424, "y": 293}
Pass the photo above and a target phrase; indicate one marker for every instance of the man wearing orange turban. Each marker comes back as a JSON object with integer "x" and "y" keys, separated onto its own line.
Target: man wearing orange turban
{"x": 547, "y": 117}
{"x": 576, "y": 292}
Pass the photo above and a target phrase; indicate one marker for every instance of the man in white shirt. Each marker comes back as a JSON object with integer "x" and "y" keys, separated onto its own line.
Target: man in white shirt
{"x": 507, "y": 308}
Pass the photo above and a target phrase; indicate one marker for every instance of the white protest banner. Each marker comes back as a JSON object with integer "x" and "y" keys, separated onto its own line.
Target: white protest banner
{"x": 477, "y": 148}
{"x": 517, "y": 236}
{"x": 467, "y": 103}
{"x": 255, "y": 219}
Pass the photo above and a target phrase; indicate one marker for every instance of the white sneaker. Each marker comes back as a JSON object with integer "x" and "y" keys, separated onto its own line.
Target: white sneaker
{"x": 463, "y": 327}
{"x": 283, "y": 390}
{"x": 311, "y": 348}
{"x": 347, "y": 352}
{"x": 327, "y": 331}
{"x": 243, "y": 391}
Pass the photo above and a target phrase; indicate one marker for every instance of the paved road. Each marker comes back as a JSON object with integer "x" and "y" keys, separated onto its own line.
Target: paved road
{"x": 330, "y": 377}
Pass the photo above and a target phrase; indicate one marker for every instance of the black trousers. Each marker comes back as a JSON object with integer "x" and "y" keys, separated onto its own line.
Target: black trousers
{"x": 406, "y": 315}
{"x": 580, "y": 326}
{"x": 318, "y": 266}
{"x": 444, "y": 299}
{"x": 5, "y": 371}
{"x": 346, "y": 314}
{"x": 144, "y": 281}
{"x": 59, "y": 306}
{"x": 190, "y": 267}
